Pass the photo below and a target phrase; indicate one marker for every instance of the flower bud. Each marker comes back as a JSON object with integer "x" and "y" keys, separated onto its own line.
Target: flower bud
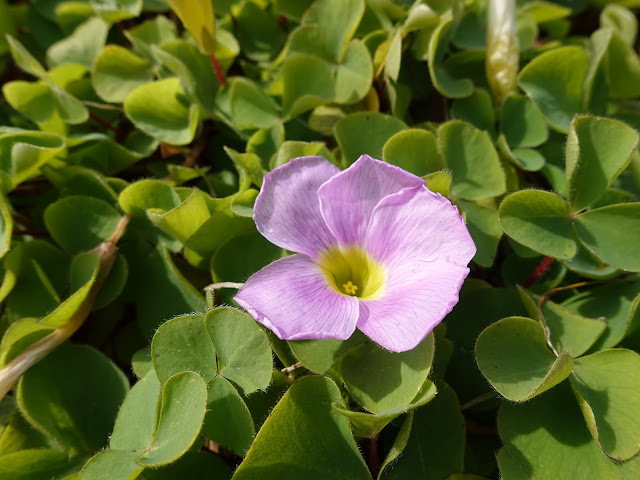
{"x": 502, "y": 48}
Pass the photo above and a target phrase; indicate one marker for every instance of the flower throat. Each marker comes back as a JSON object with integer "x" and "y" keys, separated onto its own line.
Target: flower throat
{"x": 350, "y": 271}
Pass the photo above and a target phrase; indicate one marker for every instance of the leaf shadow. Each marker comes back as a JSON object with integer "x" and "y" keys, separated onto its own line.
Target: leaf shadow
{"x": 598, "y": 401}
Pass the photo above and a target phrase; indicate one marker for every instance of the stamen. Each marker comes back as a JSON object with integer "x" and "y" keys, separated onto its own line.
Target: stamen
{"x": 349, "y": 288}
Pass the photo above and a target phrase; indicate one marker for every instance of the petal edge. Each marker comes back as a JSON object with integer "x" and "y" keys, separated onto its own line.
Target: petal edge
{"x": 287, "y": 210}
{"x": 418, "y": 297}
{"x": 417, "y": 223}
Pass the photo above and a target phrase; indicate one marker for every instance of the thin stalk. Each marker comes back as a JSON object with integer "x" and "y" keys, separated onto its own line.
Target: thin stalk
{"x": 480, "y": 399}
{"x": 546, "y": 295}
{"x": 291, "y": 368}
{"x": 107, "y": 252}
{"x": 32, "y": 233}
{"x": 120, "y": 134}
{"x": 216, "y": 286}
{"x": 537, "y": 273}
{"x": 216, "y": 67}
{"x": 543, "y": 298}
{"x": 374, "y": 460}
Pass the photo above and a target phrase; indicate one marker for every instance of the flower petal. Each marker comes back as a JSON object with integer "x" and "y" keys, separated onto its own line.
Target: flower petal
{"x": 287, "y": 210}
{"x": 291, "y": 297}
{"x": 347, "y": 199}
{"x": 418, "y": 224}
{"x": 417, "y": 297}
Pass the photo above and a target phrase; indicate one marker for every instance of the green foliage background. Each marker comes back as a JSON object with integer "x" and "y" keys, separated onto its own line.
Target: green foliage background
{"x": 118, "y": 125}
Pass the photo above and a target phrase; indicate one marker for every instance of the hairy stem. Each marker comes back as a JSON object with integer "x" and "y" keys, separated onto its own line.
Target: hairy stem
{"x": 482, "y": 398}
{"x": 537, "y": 273}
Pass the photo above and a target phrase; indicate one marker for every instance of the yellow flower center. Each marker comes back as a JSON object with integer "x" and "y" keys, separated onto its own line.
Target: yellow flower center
{"x": 350, "y": 271}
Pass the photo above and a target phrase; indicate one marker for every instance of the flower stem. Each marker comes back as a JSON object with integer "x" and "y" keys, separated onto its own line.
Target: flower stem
{"x": 537, "y": 273}
{"x": 216, "y": 67}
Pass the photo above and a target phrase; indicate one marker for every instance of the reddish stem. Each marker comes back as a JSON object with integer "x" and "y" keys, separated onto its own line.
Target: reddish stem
{"x": 11, "y": 73}
{"x": 36, "y": 181}
{"x": 24, "y": 221}
{"x": 32, "y": 233}
{"x": 537, "y": 273}
{"x": 167, "y": 150}
{"x": 35, "y": 189}
{"x": 121, "y": 30}
{"x": 374, "y": 461}
{"x": 216, "y": 67}
{"x": 108, "y": 126}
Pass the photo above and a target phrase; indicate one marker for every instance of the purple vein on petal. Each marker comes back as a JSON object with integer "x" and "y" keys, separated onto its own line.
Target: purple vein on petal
{"x": 416, "y": 223}
{"x": 418, "y": 296}
{"x": 348, "y": 199}
{"x": 292, "y": 298}
{"x": 287, "y": 210}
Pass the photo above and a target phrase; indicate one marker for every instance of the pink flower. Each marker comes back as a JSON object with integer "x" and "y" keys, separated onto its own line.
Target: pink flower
{"x": 376, "y": 249}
